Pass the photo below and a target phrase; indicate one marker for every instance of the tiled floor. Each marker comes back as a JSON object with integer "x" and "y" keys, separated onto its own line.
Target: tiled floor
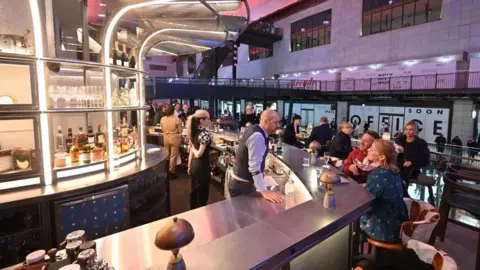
{"x": 460, "y": 243}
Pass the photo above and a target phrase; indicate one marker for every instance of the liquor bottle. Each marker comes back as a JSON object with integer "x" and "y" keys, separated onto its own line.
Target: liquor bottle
{"x": 132, "y": 61}
{"x": 59, "y": 138}
{"x": 124, "y": 57}
{"x": 91, "y": 137}
{"x": 81, "y": 138}
{"x": 115, "y": 53}
{"x": 99, "y": 137}
{"x": 60, "y": 158}
{"x": 124, "y": 128}
{"x": 74, "y": 153}
{"x": 69, "y": 140}
{"x": 86, "y": 154}
{"x": 125, "y": 146}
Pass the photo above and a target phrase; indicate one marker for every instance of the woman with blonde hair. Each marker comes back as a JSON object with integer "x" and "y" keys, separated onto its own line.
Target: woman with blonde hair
{"x": 388, "y": 208}
{"x": 199, "y": 159}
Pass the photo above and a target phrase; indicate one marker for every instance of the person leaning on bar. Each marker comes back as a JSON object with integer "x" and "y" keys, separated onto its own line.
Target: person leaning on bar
{"x": 250, "y": 159}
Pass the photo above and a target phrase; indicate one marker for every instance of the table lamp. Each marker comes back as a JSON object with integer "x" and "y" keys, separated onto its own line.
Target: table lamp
{"x": 176, "y": 234}
{"x": 329, "y": 178}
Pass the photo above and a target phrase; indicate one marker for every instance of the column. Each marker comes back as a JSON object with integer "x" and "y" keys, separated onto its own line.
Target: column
{"x": 462, "y": 124}
{"x": 342, "y": 111}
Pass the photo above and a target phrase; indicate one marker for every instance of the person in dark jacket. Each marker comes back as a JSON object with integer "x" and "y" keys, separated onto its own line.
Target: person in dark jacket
{"x": 366, "y": 126}
{"x": 416, "y": 154}
{"x": 342, "y": 145}
{"x": 333, "y": 126}
{"x": 457, "y": 149}
{"x": 321, "y": 134}
{"x": 249, "y": 118}
{"x": 440, "y": 141}
{"x": 471, "y": 144}
{"x": 292, "y": 132}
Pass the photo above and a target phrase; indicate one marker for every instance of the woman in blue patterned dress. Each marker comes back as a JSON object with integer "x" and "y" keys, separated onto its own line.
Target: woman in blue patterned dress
{"x": 389, "y": 211}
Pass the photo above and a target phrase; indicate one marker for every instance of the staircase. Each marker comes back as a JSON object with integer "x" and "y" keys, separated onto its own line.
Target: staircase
{"x": 211, "y": 62}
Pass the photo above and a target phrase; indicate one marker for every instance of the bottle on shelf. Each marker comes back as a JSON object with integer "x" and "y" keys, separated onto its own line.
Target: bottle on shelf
{"x": 60, "y": 158}
{"x": 132, "y": 62}
{"x": 81, "y": 138}
{"x": 86, "y": 154}
{"x": 99, "y": 137}
{"x": 124, "y": 58}
{"x": 115, "y": 53}
{"x": 59, "y": 138}
{"x": 69, "y": 140}
{"x": 91, "y": 137}
{"x": 124, "y": 145}
{"x": 124, "y": 128}
{"x": 74, "y": 153}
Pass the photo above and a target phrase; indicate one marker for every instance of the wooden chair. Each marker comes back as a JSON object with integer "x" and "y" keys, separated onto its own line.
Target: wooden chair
{"x": 424, "y": 219}
{"x": 460, "y": 195}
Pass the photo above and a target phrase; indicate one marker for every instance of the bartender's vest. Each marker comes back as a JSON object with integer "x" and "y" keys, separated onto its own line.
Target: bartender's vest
{"x": 240, "y": 169}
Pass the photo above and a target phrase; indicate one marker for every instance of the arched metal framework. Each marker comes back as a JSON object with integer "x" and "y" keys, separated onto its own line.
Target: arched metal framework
{"x": 173, "y": 28}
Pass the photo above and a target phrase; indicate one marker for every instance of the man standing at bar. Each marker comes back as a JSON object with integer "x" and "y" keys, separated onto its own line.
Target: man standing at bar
{"x": 292, "y": 132}
{"x": 185, "y": 113}
{"x": 321, "y": 134}
{"x": 177, "y": 111}
{"x": 249, "y": 118}
{"x": 250, "y": 159}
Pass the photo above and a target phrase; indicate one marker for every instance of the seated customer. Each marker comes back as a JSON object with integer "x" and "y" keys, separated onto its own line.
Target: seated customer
{"x": 389, "y": 211}
{"x": 342, "y": 145}
{"x": 357, "y": 166}
{"x": 292, "y": 132}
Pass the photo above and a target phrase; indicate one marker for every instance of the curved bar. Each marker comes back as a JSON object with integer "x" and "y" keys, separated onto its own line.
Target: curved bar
{"x": 83, "y": 184}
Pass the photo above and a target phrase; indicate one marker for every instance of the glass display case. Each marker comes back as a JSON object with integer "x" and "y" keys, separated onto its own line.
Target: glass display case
{"x": 73, "y": 129}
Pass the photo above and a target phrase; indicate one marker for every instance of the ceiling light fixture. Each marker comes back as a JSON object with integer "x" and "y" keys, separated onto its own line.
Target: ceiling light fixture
{"x": 375, "y": 66}
{"x": 445, "y": 59}
{"x": 352, "y": 68}
{"x": 411, "y": 62}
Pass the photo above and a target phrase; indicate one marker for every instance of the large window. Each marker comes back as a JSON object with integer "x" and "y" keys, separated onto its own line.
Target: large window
{"x": 256, "y": 53}
{"x": 312, "y": 31}
{"x": 386, "y": 15}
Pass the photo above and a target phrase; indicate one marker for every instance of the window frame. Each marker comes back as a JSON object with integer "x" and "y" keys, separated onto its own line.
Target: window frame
{"x": 373, "y": 7}
{"x": 312, "y": 27}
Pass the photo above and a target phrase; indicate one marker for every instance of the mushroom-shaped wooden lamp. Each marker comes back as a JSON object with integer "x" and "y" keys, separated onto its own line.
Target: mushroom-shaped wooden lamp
{"x": 329, "y": 178}
{"x": 176, "y": 234}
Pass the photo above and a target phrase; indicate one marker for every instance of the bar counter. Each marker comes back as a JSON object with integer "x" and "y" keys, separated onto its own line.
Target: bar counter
{"x": 248, "y": 232}
{"x": 86, "y": 183}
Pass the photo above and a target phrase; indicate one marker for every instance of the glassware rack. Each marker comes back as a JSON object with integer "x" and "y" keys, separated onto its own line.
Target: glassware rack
{"x": 70, "y": 137}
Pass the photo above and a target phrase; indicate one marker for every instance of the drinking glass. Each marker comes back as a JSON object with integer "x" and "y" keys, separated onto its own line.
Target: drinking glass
{"x": 306, "y": 162}
{"x": 326, "y": 157}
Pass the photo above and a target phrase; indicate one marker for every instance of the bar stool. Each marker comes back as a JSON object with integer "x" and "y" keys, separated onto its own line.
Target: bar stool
{"x": 463, "y": 196}
{"x": 426, "y": 181}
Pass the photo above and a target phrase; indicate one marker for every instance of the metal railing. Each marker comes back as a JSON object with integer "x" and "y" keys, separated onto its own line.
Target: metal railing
{"x": 460, "y": 80}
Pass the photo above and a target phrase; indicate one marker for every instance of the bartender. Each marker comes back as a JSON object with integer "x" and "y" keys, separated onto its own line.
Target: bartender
{"x": 292, "y": 132}
{"x": 249, "y": 118}
{"x": 250, "y": 158}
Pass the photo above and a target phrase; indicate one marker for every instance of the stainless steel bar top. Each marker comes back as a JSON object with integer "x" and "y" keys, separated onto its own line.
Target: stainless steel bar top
{"x": 93, "y": 181}
{"x": 246, "y": 232}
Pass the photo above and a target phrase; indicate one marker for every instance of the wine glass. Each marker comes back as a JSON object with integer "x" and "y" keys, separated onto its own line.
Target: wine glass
{"x": 326, "y": 156}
